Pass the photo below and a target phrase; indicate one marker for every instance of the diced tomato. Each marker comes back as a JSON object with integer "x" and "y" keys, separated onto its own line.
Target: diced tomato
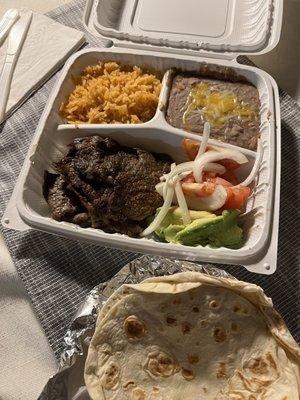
{"x": 198, "y": 189}
{"x": 208, "y": 175}
{"x": 191, "y": 148}
{"x": 230, "y": 177}
{"x": 236, "y": 197}
{"x": 229, "y": 164}
{"x": 220, "y": 181}
{"x": 189, "y": 178}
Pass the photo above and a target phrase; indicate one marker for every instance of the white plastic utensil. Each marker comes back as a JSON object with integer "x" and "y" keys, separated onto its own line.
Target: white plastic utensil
{"x": 6, "y": 22}
{"x": 16, "y": 39}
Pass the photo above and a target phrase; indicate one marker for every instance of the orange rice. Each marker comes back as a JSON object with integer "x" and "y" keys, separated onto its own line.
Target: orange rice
{"x": 108, "y": 93}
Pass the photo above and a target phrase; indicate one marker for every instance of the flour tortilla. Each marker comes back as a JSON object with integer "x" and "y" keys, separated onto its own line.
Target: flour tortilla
{"x": 191, "y": 336}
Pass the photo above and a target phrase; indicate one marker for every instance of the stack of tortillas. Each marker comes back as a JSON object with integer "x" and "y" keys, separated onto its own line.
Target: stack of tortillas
{"x": 190, "y": 336}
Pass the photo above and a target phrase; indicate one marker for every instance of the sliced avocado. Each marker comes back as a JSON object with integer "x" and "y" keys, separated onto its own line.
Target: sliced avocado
{"x": 174, "y": 218}
{"x": 171, "y": 231}
{"x": 231, "y": 237}
{"x": 230, "y": 216}
{"x": 168, "y": 220}
{"x": 219, "y": 231}
{"x": 193, "y": 214}
{"x": 205, "y": 229}
{"x": 198, "y": 231}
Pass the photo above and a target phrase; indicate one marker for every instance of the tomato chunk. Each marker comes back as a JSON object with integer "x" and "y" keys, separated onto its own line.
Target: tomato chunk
{"x": 198, "y": 189}
{"x": 189, "y": 178}
{"x": 208, "y": 176}
{"x": 220, "y": 181}
{"x": 230, "y": 177}
{"x": 229, "y": 164}
{"x": 236, "y": 197}
{"x": 191, "y": 148}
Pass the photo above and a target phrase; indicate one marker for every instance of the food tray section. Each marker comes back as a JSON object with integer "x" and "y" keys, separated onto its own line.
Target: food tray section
{"x": 155, "y": 135}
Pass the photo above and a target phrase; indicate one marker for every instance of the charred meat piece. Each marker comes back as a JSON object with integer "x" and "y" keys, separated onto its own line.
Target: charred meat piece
{"x": 64, "y": 204}
{"x": 106, "y": 185}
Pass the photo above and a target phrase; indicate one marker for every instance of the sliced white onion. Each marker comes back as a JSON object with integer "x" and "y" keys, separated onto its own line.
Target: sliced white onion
{"x": 167, "y": 183}
{"x": 202, "y": 148}
{"x": 184, "y": 167}
{"x": 210, "y": 167}
{"x": 179, "y": 169}
{"x": 206, "y": 159}
{"x": 205, "y": 137}
{"x": 182, "y": 204}
{"x": 162, "y": 213}
{"x": 255, "y": 169}
{"x": 160, "y": 188}
{"x": 209, "y": 203}
{"x": 214, "y": 167}
{"x": 212, "y": 156}
{"x": 180, "y": 198}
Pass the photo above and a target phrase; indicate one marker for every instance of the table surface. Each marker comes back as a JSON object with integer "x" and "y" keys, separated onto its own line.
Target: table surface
{"x": 25, "y": 352}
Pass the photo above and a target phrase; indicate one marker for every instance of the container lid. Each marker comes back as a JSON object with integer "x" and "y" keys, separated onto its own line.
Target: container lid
{"x": 223, "y": 27}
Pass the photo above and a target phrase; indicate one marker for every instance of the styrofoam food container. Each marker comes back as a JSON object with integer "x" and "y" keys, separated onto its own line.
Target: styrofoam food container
{"x": 52, "y": 136}
{"x": 188, "y": 35}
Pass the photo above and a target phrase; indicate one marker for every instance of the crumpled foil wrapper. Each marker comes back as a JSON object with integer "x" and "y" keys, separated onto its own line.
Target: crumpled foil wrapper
{"x": 68, "y": 382}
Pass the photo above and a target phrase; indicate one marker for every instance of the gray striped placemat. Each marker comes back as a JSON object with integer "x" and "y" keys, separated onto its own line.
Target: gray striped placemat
{"x": 58, "y": 272}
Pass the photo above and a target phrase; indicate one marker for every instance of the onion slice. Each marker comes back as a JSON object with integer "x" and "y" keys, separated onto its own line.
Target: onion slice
{"x": 202, "y": 148}
{"x": 209, "y": 167}
{"x": 180, "y": 198}
{"x": 186, "y": 219}
{"x": 255, "y": 169}
{"x": 205, "y": 158}
{"x": 209, "y": 203}
{"x": 205, "y": 137}
{"x": 214, "y": 167}
{"x": 176, "y": 170}
{"x": 160, "y": 188}
{"x": 212, "y": 156}
{"x": 162, "y": 213}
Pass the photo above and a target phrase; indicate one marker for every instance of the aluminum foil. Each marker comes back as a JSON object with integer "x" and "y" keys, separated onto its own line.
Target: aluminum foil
{"x": 68, "y": 383}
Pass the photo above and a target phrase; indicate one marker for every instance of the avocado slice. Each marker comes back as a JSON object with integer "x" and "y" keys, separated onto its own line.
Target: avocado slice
{"x": 198, "y": 231}
{"x": 173, "y": 220}
{"x": 171, "y": 231}
{"x": 231, "y": 237}
{"x": 219, "y": 231}
{"x": 193, "y": 214}
{"x": 206, "y": 228}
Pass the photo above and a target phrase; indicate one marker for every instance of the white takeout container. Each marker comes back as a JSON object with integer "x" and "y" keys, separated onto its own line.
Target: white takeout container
{"x": 144, "y": 35}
